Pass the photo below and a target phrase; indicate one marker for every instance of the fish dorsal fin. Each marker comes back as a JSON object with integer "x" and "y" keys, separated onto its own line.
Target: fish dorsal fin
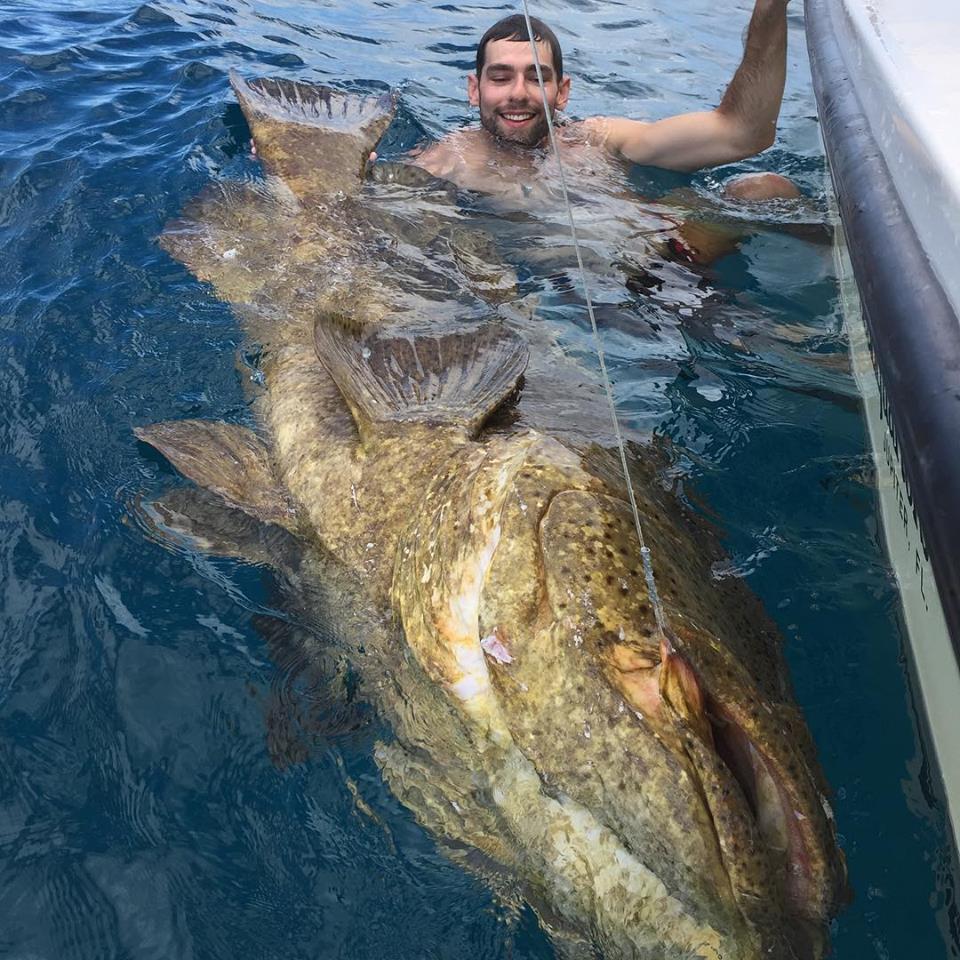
{"x": 228, "y": 460}
{"x": 316, "y": 139}
{"x": 456, "y": 378}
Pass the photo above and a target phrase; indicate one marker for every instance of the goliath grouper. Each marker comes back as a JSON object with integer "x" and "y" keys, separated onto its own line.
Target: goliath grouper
{"x": 654, "y": 794}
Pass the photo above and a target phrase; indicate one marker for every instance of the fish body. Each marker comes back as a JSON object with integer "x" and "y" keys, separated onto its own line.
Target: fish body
{"x": 650, "y": 786}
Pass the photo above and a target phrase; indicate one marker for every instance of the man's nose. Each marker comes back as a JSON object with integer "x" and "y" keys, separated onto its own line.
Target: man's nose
{"x": 519, "y": 87}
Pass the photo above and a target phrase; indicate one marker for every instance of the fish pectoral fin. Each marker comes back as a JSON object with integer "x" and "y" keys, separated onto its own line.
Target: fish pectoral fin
{"x": 228, "y": 460}
{"x": 316, "y": 139}
{"x": 313, "y": 700}
{"x": 456, "y": 378}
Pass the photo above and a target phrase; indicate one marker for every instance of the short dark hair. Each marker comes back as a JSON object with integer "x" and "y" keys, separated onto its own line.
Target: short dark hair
{"x": 514, "y": 27}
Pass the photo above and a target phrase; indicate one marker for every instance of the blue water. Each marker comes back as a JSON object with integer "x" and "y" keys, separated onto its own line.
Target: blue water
{"x": 175, "y": 780}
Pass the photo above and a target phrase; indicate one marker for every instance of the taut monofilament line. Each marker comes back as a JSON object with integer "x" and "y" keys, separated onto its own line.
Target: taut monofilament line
{"x": 598, "y": 341}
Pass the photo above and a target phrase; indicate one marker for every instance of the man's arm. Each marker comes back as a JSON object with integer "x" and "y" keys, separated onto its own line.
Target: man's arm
{"x": 744, "y": 124}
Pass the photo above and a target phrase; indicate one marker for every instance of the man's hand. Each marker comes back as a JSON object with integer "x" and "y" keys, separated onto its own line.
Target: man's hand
{"x": 744, "y": 124}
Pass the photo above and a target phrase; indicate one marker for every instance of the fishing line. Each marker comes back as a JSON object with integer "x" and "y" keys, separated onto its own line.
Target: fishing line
{"x": 598, "y": 341}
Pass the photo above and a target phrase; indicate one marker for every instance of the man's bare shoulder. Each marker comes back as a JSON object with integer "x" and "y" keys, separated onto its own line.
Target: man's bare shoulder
{"x": 589, "y": 130}
{"x": 448, "y": 156}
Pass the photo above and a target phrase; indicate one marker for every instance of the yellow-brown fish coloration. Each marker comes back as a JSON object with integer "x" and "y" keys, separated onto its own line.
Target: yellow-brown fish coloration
{"x": 654, "y": 794}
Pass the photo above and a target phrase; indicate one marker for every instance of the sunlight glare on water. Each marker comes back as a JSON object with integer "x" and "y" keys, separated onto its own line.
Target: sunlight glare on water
{"x": 183, "y": 771}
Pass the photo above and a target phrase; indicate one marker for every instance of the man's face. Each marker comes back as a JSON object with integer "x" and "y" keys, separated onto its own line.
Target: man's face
{"x": 508, "y": 95}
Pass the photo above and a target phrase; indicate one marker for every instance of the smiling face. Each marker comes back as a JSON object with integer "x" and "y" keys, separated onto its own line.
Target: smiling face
{"x": 508, "y": 94}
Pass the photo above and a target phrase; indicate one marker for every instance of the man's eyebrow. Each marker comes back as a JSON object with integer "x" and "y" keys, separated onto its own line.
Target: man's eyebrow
{"x": 544, "y": 69}
{"x": 509, "y": 68}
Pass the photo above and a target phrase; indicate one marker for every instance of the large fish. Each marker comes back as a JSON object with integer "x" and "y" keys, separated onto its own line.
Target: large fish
{"x": 653, "y": 793}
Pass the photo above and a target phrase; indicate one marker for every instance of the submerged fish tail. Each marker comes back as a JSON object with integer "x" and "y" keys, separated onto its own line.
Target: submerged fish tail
{"x": 316, "y": 139}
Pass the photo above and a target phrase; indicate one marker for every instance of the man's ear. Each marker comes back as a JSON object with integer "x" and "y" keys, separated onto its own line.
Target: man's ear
{"x": 563, "y": 93}
{"x": 473, "y": 90}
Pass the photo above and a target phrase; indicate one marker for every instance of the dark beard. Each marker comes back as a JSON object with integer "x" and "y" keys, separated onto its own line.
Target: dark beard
{"x": 531, "y": 137}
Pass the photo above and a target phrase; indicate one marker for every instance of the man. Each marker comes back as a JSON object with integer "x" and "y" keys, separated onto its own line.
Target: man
{"x": 501, "y": 156}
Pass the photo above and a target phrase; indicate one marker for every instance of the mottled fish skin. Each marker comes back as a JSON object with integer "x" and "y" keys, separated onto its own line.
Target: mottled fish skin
{"x": 524, "y": 544}
{"x": 658, "y": 794}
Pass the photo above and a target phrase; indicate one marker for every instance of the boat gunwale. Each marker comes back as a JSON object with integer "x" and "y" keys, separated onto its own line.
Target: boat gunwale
{"x": 913, "y": 330}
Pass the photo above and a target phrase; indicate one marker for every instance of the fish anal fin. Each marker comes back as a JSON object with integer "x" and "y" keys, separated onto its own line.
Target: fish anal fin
{"x": 193, "y": 519}
{"x": 316, "y": 139}
{"x": 456, "y": 378}
{"x": 228, "y": 460}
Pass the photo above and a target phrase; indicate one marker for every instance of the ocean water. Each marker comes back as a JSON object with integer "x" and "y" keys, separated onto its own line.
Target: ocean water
{"x": 176, "y": 779}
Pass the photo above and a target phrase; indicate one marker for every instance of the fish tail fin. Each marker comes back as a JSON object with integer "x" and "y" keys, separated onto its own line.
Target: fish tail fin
{"x": 455, "y": 378}
{"x": 315, "y": 138}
